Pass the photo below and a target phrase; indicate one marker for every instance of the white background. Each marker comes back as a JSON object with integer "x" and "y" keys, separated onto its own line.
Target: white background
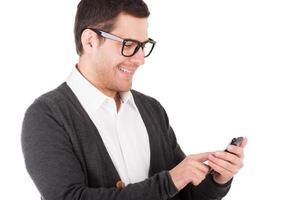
{"x": 220, "y": 68}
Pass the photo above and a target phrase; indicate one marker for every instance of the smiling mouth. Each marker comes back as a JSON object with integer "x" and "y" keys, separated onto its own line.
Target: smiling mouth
{"x": 125, "y": 70}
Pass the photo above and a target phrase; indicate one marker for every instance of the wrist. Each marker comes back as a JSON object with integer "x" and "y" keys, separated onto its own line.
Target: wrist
{"x": 217, "y": 178}
{"x": 178, "y": 182}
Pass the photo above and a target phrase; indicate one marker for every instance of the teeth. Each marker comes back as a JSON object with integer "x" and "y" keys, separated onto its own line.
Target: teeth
{"x": 124, "y": 70}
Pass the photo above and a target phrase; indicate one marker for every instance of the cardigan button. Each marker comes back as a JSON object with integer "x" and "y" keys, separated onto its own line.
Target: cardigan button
{"x": 120, "y": 184}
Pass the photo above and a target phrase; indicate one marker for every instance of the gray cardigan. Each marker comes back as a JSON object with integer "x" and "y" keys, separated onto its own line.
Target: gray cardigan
{"x": 66, "y": 157}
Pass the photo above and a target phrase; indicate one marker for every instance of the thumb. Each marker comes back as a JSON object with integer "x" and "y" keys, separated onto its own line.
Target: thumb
{"x": 244, "y": 142}
{"x": 200, "y": 156}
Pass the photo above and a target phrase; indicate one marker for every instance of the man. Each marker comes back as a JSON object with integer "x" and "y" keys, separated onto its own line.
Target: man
{"x": 95, "y": 138}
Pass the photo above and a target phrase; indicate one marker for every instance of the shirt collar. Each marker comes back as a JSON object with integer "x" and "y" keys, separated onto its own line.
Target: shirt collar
{"x": 89, "y": 96}
{"x": 128, "y": 99}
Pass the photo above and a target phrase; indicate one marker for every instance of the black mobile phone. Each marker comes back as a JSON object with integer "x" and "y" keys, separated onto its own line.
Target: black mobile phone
{"x": 236, "y": 141}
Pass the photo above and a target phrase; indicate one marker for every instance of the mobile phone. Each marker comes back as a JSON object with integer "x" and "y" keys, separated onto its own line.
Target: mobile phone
{"x": 236, "y": 142}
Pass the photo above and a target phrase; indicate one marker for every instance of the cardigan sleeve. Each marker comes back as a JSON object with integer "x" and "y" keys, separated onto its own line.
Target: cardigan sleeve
{"x": 208, "y": 189}
{"x": 57, "y": 173}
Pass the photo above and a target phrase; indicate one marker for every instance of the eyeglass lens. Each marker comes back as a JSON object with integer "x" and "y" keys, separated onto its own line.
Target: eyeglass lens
{"x": 131, "y": 47}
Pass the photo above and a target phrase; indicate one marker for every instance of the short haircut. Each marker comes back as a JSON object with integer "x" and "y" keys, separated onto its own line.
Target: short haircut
{"x": 102, "y": 14}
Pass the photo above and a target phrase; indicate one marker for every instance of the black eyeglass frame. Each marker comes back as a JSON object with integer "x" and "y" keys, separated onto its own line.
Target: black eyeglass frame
{"x": 123, "y": 41}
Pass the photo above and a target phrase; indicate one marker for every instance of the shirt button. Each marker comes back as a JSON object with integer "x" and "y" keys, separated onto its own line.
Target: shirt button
{"x": 120, "y": 184}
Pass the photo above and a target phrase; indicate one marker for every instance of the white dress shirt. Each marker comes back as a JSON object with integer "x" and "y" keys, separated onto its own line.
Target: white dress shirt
{"x": 123, "y": 133}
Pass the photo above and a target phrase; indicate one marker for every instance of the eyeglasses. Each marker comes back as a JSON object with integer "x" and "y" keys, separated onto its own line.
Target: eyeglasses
{"x": 129, "y": 46}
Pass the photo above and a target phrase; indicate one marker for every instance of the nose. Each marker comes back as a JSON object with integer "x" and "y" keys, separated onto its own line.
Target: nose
{"x": 138, "y": 57}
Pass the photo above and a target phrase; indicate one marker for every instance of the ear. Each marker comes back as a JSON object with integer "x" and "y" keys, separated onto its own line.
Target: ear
{"x": 88, "y": 40}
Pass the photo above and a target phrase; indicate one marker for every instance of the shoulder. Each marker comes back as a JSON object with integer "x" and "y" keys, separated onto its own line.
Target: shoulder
{"x": 150, "y": 107}
{"x": 51, "y": 103}
{"x": 155, "y": 114}
{"x": 56, "y": 96}
{"x": 146, "y": 101}
{"x": 143, "y": 97}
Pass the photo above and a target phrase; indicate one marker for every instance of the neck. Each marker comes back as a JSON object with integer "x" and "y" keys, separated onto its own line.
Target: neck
{"x": 118, "y": 101}
{"x": 89, "y": 75}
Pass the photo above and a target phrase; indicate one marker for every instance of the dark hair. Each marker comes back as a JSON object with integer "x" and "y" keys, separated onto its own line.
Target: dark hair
{"x": 102, "y": 14}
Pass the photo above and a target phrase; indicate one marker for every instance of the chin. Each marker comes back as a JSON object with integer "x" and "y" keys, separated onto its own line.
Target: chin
{"x": 125, "y": 88}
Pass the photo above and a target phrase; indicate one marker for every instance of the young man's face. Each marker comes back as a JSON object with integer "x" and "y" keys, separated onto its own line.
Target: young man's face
{"x": 113, "y": 71}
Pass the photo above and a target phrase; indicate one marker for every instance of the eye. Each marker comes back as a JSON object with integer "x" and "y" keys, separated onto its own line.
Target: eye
{"x": 129, "y": 44}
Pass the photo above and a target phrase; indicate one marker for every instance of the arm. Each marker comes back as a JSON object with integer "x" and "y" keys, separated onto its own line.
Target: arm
{"x": 207, "y": 189}
{"x": 57, "y": 173}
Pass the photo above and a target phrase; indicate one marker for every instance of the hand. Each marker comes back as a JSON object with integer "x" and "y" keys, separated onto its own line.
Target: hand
{"x": 191, "y": 169}
{"x": 226, "y": 164}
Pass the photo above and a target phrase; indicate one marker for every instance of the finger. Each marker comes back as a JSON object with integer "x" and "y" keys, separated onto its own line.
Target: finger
{"x": 224, "y": 164}
{"x": 236, "y": 150}
{"x": 197, "y": 176}
{"x": 198, "y": 165}
{"x": 232, "y": 158}
{"x": 222, "y": 171}
{"x": 244, "y": 142}
{"x": 202, "y": 157}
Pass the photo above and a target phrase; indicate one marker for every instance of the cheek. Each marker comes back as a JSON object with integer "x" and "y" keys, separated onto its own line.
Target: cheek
{"x": 111, "y": 55}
